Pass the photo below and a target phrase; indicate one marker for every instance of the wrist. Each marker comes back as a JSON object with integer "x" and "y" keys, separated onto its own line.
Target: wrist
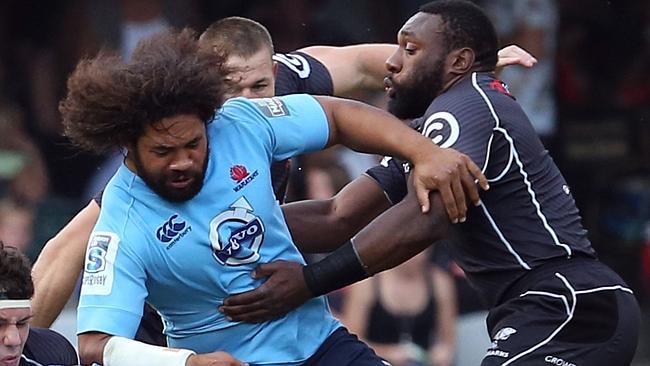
{"x": 339, "y": 269}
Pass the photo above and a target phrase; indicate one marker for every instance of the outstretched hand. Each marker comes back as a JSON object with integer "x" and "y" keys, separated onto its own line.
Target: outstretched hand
{"x": 284, "y": 290}
{"x": 453, "y": 174}
{"x": 514, "y": 55}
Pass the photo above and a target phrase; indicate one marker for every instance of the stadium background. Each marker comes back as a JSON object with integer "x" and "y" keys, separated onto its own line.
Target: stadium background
{"x": 600, "y": 53}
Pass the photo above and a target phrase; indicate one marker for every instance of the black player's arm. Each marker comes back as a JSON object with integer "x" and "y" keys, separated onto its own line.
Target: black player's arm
{"x": 320, "y": 226}
{"x": 400, "y": 233}
{"x": 392, "y": 238}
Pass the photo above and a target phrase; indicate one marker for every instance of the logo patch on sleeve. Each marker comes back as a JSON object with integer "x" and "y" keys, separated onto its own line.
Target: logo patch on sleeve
{"x": 272, "y": 107}
{"x": 99, "y": 265}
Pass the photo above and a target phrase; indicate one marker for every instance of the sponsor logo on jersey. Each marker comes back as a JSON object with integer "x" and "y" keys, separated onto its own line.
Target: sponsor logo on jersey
{"x": 172, "y": 231}
{"x": 294, "y": 62}
{"x": 236, "y": 235}
{"x": 238, "y": 173}
{"x": 242, "y": 176}
{"x": 98, "y": 267}
{"x": 558, "y": 361}
{"x": 502, "y": 335}
{"x": 271, "y": 107}
{"x": 501, "y": 87}
{"x": 497, "y": 352}
{"x": 442, "y": 128}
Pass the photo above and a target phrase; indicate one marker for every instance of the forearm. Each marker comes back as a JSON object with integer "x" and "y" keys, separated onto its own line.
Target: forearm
{"x": 389, "y": 240}
{"x": 400, "y": 233}
{"x": 55, "y": 274}
{"x": 58, "y": 266}
{"x": 368, "y": 129}
{"x": 110, "y": 350}
{"x": 321, "y": 226}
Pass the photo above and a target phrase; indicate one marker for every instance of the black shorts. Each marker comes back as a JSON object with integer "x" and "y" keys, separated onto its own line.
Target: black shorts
{"x": 342, "y": 349}
{"x": 567, "y": 313}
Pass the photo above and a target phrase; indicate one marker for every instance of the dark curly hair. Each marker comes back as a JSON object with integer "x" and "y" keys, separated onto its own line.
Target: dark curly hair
{"x": 467, "y": 25}
{"x": 15, "y": 274}
{"x": 110, "y": 102}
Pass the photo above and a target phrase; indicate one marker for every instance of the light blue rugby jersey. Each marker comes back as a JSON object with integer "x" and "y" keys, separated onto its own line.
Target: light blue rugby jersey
{"x": 185, "y": 258}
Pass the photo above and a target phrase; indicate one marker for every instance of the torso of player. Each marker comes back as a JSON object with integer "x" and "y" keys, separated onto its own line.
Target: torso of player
{"x": 198, "y": 252}
{"x": 528, "y": 215}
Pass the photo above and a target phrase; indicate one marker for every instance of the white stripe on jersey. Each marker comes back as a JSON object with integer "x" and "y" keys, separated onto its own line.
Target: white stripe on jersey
{"x": 503, "y": 238}
{"x": 570, "y": 312}
{"x": 522, "y": 171}
{"x": 30, "y": 361}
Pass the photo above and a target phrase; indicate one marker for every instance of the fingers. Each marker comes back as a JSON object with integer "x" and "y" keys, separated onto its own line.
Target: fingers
{"x": 423, "y": 196}
{"x": 513, "y": 55}
{"x": 264, "y": 270}
{"x": 459, "y": 195}
{"x": 470, "y": 187}
{"x": 449, "y": 201}
{"x": 254, "y": 312}
{"x": 248, "y": 297}
{"x": 478, "y": 175}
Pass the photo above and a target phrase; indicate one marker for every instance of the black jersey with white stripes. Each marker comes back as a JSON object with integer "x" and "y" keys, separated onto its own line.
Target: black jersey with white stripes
{"x": 298, "y": 72}
{"x": 528, "y": 215}
{"x": 46, "y": 347}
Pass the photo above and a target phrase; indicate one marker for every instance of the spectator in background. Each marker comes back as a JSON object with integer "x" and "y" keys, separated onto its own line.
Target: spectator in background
{"x": 20, "y": 345}
{"x": 533, "y": 25}
{"x": 417, "y": 332}
{"x": 23, "y": 176}
{"x": 16, "y": 225}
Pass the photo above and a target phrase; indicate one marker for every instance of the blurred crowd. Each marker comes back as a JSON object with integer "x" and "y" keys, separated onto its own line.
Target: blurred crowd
{"x": 589, "y": 97}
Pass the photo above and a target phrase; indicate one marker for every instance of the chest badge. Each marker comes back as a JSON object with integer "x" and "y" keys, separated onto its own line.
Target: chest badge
{"x": 236, "y": 235}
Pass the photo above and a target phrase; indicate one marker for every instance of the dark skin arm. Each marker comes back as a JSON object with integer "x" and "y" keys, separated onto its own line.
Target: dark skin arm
{"x": 392, "y": 238}
{"x": 340, "y": 217}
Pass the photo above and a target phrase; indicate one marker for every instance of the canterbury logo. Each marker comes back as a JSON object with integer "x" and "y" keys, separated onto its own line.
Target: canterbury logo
{"x": 170, "y": 229}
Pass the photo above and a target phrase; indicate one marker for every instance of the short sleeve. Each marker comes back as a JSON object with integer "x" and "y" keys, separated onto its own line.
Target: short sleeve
{"x": 390, "y": 174}
{"x": 286, "y": 126}
{"x": 113, "y": 287}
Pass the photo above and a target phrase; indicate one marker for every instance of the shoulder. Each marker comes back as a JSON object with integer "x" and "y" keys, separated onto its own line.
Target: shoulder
{"x": 299, "y": 72}
{"x": 46, "y": 346}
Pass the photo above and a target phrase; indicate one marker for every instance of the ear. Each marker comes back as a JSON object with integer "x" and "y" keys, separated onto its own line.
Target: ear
{"x": 275, "y": 68}
{"x": 461, "y": 60}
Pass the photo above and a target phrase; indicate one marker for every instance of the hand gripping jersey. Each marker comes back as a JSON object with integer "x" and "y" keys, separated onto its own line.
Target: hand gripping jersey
{"x": 528, "y": 216}
{"x": 185, "y": 258}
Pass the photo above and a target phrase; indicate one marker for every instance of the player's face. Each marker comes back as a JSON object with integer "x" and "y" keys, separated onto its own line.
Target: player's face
{"x": 416, "y": 69}
{"x": 172, "y": 156}
{"x": 252, "y": 77}
{"x": 14, "y": 329}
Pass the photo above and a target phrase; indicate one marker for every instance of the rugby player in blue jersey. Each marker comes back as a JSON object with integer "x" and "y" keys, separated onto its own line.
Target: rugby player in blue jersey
{"x": 524, "y": 248}
{"x": 192, "y": 210}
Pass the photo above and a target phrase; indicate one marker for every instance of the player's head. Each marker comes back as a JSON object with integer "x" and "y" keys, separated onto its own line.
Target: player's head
{"x": 248, "y": 49}
{"x": 16, "y": 291}
{"x": 443, "y": 42}
{"x": 156, "y": 106}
